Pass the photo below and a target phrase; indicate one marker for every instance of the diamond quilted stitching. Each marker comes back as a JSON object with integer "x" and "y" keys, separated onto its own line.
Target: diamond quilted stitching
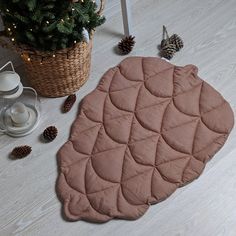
{"x": 161, "y": 84}
{"x": 181, "y": 138}
{"x": 119, "y": 82}
{"x": 207, "y": 104}
{"x": 188, "y": 102}
{"x": 176, "y": 166}
{"x": 103, "y": 160}
{"x": 141, "y": 139}
{"x": 125, "y": 99}
{"x": 175, "y": 118}
{"x": 185, "y": 78}
{"x": 132, "y": 168}
{"x": 141, "y": 150}
{"x": 165, "y": 153}
{"x": 160, "y": 187}
{"x": 147, "y": 115}
{"x": 138, "y": 132}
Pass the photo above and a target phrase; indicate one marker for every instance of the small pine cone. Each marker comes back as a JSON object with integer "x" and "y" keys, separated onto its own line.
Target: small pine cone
{"x": 69, "y": 102}
{"x": 50, "y": 133}
{"x": 21, "y": 151}
{"x": 177, "y": 40}
{"x": 126, "y": 44}
{"x": 168, "y": 51}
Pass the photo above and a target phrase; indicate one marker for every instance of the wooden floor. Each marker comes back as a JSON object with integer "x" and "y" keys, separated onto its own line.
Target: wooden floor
{"x": 206, "y": 207}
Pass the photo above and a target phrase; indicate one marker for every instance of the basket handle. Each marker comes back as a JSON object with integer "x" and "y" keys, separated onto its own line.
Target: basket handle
{"x": 101, "y": 8}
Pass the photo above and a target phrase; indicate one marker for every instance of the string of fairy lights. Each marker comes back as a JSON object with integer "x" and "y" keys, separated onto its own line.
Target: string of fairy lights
{"x": 28, "y": 55}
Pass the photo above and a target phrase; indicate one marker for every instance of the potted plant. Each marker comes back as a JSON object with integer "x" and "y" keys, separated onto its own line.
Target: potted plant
{"x": 54, "y": 39}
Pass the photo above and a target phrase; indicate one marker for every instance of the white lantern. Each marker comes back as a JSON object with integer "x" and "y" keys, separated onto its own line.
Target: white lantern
{"x": 19, "y": 106}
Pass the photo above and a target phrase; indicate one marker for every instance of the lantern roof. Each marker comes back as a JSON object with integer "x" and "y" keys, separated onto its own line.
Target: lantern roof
{"x": 9, "y": 81}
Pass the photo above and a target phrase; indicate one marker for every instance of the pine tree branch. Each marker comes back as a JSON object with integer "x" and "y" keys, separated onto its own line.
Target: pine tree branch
{"x": 48, "y": 25}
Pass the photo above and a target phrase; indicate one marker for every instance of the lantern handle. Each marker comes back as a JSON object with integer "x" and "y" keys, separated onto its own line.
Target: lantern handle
{"x": 8, "y": 63}
{"x": 36, "y": 94}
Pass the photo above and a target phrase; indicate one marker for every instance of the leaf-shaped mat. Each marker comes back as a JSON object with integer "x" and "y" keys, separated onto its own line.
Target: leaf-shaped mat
{"x": 148, "y": 128}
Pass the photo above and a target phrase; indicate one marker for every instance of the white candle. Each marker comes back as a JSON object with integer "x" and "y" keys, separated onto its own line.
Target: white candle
{"x": 19, "y": 114}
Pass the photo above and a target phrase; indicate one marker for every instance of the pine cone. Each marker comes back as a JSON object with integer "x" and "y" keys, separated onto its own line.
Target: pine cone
{"x": 21, "y": 151}
{"x": 168, "y": 51}
{"x": 50, "y": 133}
{"x": 69, "y": 102}
{"x": 177, "y": 40}
{"x": 164, "y": 42}
{"x": 126, "y": 44}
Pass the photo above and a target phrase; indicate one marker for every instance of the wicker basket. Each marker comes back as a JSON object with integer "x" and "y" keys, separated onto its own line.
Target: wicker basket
{"x": 59, "y": 74}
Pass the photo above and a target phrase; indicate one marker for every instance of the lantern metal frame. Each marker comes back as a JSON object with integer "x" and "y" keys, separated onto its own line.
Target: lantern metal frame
{"x": 19, "y": 94}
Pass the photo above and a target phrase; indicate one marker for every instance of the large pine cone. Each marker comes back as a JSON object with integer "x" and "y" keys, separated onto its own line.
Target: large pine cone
{"x": 177, "y": 41}
{"x": 126, "y": 44}
{"x": 21, "y": 151}
{"x": 168, "y": 51}
{"x": 50, "y": 133}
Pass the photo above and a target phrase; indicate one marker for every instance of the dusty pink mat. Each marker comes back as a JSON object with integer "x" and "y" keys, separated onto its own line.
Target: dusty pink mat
{"x": 147, "y": 129}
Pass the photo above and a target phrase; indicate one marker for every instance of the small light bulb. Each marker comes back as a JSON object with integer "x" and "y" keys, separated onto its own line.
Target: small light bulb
{"x": 7, "y": 10}
{"x": 12, "y": 39}
{"x": 62, "y": 20}
{"x": 9, "y": 29}
{"x": 47, "y": 22}
{"x": 53, "y": 55}
{"x": 75, "y": 41}
{"x": 28, "y": 59}
{"x": 14, "y": 27}
{"x": 73, "y": 9}
{"x": 31, "y": 29}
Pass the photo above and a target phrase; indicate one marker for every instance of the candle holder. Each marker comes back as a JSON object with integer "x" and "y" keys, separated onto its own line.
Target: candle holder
{"x": 19, "y": 106}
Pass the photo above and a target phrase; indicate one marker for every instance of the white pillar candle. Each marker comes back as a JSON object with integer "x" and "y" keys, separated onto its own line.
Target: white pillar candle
{"x": 19, "y": 114}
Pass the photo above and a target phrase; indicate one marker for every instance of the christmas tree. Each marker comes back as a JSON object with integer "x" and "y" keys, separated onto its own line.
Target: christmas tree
{"x": 49, "y": 25}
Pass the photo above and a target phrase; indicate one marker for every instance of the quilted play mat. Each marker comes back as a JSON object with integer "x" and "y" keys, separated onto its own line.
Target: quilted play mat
{"x": 148, "y": 128}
